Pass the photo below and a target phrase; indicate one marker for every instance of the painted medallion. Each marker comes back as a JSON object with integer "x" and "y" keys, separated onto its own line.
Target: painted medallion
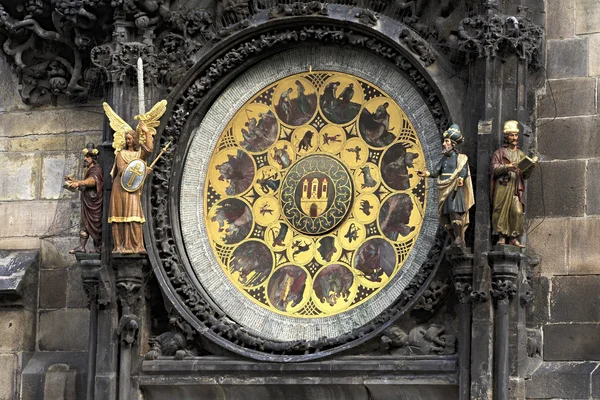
{"x": 313, "y": 204}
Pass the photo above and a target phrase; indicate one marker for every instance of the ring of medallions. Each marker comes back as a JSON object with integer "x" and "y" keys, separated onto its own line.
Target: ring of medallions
{"x": 313, "y": 203}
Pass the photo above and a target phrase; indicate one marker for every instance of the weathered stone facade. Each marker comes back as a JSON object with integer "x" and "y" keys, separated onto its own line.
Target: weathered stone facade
{"x": 41, "y": 144}
{"x": 565, "y": 198}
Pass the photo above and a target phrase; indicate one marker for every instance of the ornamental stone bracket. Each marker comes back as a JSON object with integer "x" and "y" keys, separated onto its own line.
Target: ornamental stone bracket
{"x": 505, "y": 269}
{"x": 461, "y": 260}
{"x": 96, "y": 282}
{"x": 129, "y": 271}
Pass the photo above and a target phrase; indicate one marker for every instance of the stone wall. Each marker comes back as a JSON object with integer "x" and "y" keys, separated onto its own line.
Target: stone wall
{"x": 564, "y": 199}
{"x": 37, "y": 148}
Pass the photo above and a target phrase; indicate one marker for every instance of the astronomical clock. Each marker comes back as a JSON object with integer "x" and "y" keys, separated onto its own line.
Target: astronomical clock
{"x": 299, "y": 222}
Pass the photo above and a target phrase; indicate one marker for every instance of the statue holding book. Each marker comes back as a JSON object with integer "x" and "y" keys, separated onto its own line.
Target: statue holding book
{"x": 509, "y": 168}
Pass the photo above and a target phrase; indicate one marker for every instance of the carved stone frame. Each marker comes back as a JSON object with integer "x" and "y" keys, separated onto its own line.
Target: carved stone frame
{"x": 188, "y": 103}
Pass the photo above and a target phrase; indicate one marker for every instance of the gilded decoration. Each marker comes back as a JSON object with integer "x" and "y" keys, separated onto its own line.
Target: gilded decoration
{"x": 313, "y": 204}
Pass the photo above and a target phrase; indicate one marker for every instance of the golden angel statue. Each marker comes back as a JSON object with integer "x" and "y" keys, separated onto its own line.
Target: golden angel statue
{"x": 132, "y": 148}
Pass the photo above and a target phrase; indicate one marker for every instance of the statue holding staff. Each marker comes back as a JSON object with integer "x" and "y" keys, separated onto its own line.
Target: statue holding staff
{"x": 91, "y": 200}
{"x": 455, "y": 190}
{"x": 132, "y": 148}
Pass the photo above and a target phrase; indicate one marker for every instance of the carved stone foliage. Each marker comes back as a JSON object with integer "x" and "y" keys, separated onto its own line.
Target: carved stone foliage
{"x": 50, "y": 42}
{"x": 503, "y": 289}
{"x": 463, "y": 291}
{"x": 497, "y": 35}
{"x": 420, "y": 340}
{"x": 431, "y": 297}
{"x": 298, "y": 9}
{"x": 217, "y": 327}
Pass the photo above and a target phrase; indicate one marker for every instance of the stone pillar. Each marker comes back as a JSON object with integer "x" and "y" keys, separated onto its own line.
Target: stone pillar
{"x": 98, "y": 289}
{"x": 462, "y": 273}
{"x": 129, "y": 272}
{"x": 505, "y": 269}
{"x": 91, "y": 278}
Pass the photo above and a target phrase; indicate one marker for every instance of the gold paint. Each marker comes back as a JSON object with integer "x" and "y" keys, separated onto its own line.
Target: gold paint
{"x": 296, "y": 274}
{"x": 367, "y": 178}
{"x": 331, "y": 139}
{"x": 355, "y": 153}
{"x": 301, "y": 250}
{"x": 366, "y": 203}
{"x": 135, "y": 171}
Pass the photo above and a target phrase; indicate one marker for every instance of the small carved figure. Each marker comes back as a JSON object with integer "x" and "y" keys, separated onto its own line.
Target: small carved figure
{"x": 91, "y": 199}
{"x": 455, "y": 190}
{"x": 509, "y": 168}
{"x": 125, "y": 213}
{"x": 419, "y": 341}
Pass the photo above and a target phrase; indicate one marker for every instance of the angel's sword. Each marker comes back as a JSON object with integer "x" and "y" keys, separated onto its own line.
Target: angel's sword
{"x": 140, "y": 85}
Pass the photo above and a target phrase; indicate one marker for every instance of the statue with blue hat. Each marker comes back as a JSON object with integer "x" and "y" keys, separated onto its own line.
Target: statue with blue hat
{"x": 455, "y": 190}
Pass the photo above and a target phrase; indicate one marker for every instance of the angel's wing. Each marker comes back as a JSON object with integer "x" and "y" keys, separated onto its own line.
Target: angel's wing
{"x": 151, "y": 119}
{"x": 119, "y": 126}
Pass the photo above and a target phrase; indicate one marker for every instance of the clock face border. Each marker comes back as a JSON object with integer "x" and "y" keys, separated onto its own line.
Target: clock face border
{"x": 188, "y": 103}
{"x": 205, "y": 139}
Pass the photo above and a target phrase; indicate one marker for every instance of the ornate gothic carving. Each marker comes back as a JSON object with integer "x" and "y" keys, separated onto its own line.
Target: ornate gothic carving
{"x": 500, "y": 34}
{"x": 431, "y": 297}
{"x": 479, "y": 296}
{"x": 526, "y": 296}
{"x": 55, "y": 60}
{"x": 128, "y": 327}
{"x": 50, "y": 57}
{"x": 298, "y": 9}
{"x": 367, "y": 17}
{"x": 463, "y": 291}
{"x": 418, "y": 46}
{"x": 503, "y": 289}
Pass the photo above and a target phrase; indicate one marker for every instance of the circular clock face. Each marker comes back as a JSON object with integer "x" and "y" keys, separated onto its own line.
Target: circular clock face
{"x": 301, "y": 212}
{"x": 312, "y": 197}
